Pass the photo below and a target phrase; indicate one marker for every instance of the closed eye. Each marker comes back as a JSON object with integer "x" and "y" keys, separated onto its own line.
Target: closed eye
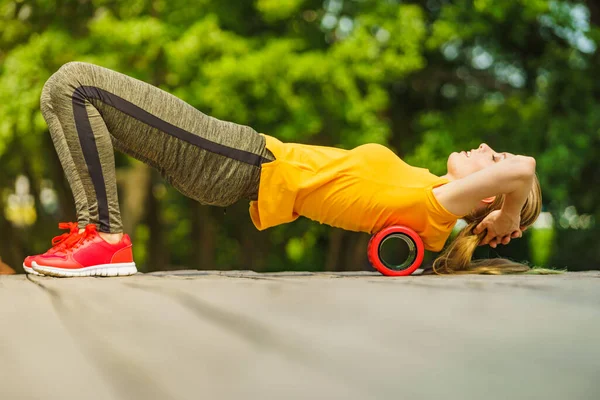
{"x": 495, "y": 159}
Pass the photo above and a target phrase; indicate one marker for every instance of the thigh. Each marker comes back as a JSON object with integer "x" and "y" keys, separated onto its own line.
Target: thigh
{"x": 210, "y": 160}
{"x": 206, "y": 177}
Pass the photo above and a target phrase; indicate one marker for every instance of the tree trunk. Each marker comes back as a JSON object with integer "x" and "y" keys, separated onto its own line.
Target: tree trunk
{"x": 594, "y": 8}
{"x": 64, "y": 194}
{"x": 357, "y": 256}
{"x": 10, "y": 242}
{"x": 135, "y": 186}
{"x": 204, "y": 233}
{"x": 157, "y": 249}
{"x": 336, "y": 239}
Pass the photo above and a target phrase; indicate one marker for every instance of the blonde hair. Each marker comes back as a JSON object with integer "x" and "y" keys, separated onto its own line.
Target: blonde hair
{"x": 457, "y": 257}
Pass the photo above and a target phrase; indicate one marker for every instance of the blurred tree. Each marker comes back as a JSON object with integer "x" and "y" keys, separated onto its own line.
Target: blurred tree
{"x": 424, "y": 77}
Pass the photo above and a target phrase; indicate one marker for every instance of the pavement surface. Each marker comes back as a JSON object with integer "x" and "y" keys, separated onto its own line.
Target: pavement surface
{"x": 242, "y": 335}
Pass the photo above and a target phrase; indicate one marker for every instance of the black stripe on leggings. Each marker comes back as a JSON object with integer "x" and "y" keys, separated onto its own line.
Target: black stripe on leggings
{"x": 90, "y": 150}
{"x": 92, "y": 92}
{"x": 91, "y": 156}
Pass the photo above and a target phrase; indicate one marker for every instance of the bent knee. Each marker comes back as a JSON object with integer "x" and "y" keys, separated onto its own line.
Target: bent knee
{"x": 74, "y": 68}
{"x": 69, "y": 73}
{"x": 65, "y": 79}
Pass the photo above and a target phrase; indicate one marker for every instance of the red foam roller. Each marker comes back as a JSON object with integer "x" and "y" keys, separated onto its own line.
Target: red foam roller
{"x": 374, "y": 255}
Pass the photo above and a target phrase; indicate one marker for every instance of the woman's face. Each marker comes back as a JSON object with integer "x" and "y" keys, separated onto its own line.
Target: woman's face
{"x": 467, "y": 162}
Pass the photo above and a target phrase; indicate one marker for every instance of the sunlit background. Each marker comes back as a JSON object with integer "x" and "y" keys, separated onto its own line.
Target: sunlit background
{"x": 425, "y": 78}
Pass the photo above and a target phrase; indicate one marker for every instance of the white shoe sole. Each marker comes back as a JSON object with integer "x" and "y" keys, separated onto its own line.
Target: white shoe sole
{"x": 31, "y": 271}
{"x": 117, "y": 269}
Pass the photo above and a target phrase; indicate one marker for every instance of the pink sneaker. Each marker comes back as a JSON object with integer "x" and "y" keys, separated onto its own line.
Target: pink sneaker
{"x": 57, "y": 244}
{"x": 88, "y": 255}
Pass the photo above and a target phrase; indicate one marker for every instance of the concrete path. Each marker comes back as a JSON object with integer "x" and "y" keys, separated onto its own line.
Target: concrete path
{"x": 241, "y": 335}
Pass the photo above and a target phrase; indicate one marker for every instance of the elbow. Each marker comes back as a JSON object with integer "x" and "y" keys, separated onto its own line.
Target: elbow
{"x": 525, "y": 167}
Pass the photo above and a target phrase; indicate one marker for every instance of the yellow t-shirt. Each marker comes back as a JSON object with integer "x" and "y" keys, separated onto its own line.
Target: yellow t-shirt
{"x": 364, "y": 189}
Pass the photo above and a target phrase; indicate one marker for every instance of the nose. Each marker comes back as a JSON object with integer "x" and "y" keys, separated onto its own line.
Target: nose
{"x": 484, "y": 147}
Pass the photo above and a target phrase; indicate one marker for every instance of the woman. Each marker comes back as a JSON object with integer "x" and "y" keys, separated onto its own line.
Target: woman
{"x": 91, "y": 109}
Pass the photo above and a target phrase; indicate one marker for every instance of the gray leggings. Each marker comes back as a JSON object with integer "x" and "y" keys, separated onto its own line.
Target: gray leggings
{"x": 91, "y": 109}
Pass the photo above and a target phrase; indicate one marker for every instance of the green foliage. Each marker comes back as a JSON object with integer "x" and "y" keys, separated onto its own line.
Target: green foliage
{"x": 277, "y": 10}
{"x": 424, "y": 77}
{"x": 541, "y": 245}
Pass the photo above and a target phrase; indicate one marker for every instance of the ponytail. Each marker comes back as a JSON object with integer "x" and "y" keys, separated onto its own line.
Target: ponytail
{"x": 457, "y": 257}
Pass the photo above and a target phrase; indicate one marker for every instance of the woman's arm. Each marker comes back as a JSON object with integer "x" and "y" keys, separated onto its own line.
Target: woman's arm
{"x": 513, "y": 201}
{"x": 512, "y": 177}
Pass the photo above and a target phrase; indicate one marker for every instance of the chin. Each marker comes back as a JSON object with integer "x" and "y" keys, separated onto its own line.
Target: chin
{"x": 452, "y": 162}
{"x": 456, "y": 166}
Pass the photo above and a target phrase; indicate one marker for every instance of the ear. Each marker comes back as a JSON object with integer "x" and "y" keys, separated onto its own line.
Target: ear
{"x": 489, "y": 200}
